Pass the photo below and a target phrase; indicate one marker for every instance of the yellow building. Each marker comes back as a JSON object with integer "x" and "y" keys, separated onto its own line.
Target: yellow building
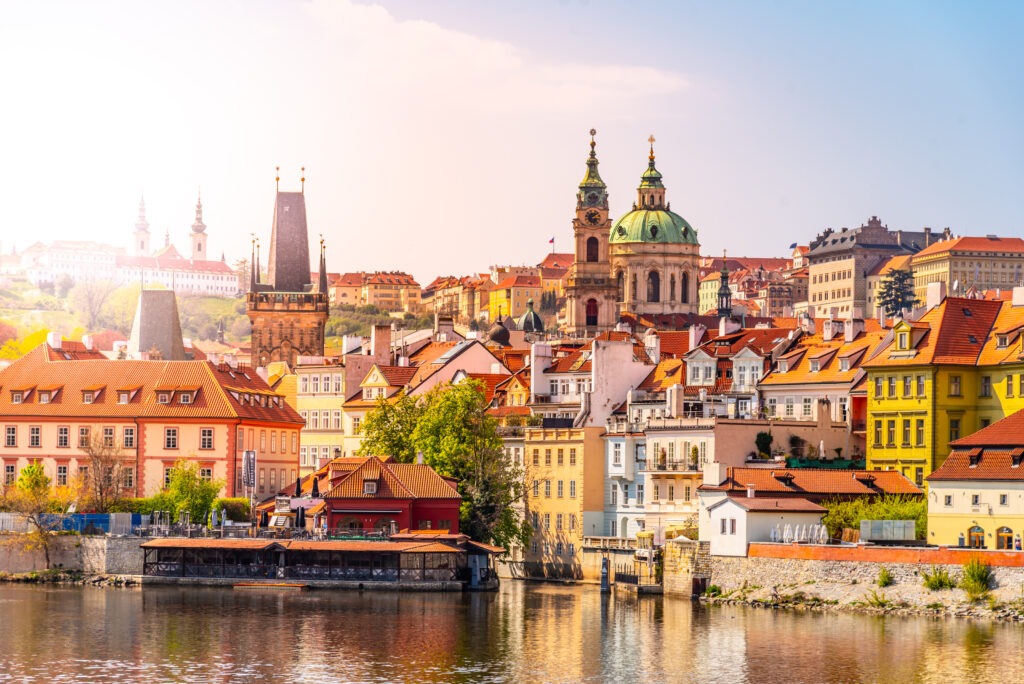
{"x": 510, "y": 296}
{"x": 319, "y": 395}
{"x": 924, "y": 389}
{"x": 564, "y": 471}
{"x": 346, "y": 289}
{"x": 976, "y": 498}
{"x": 391, "y": 291}
{"x": 981, "y": 263}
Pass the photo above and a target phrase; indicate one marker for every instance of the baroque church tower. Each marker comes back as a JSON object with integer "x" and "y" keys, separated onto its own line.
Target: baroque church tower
{"x": 288, "y": 313}
{"x": 141, "y": 234}
{"x": 199, "y": 233}
{"x": 590, "y": 293}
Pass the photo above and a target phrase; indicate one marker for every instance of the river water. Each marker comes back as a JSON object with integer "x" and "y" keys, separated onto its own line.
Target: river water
{"x": 522, "y": 633}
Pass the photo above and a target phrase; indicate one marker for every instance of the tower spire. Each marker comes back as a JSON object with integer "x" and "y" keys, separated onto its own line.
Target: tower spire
{"x": 322, "y": 284}
{"x": 198, "y": 226}
{"x": 592, "y": 179}
{"x": 277, "y": 178}
{"x": 303, "y": 188}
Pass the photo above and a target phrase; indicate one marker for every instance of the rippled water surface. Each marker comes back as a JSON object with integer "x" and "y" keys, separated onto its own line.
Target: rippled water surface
{"x": 523, "y": 633}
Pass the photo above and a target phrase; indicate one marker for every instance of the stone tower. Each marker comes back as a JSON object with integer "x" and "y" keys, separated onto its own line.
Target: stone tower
{"x": 141, "y": 234}
{"x": 590, "y": 294}
{"x": 288, "y": 313}
{"x": 199, "y": 234}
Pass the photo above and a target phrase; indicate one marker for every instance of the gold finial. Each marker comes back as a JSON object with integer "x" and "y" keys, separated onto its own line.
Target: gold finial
{"x": 321, "y": 243}
{"x": 651, "y": 140}
{"x": 303, "y": 179}
{"x": 277, "y": 178}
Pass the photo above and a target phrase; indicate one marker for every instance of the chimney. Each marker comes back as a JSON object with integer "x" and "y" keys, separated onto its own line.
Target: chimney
{"x": 53, "y": 339}
{"x": 853, "y": 328}
{"x": 380, "y": 343}
{"x": 934, "y": 294}
{"x": 696, "y": 334}
{"x": 751, "y": 491}
{"x": 652, "y": 344}
{"x": 1018, "y": 296}
{"x": 419, "y": 458}
{"x": 88, "y": 342}
{"x": 927, "y": 236}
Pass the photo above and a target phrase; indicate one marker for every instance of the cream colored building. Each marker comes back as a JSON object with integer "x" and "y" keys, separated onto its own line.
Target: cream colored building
{"x": 981, "y": 263}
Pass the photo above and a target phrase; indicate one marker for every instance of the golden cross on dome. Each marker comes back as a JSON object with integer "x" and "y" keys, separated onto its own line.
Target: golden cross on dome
{"x": 651, "y": 140}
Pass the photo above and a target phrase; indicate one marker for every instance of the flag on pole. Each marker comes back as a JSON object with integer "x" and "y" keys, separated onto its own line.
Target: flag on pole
{"x": 793, "y": 246}
{"x": 551, "y": 241}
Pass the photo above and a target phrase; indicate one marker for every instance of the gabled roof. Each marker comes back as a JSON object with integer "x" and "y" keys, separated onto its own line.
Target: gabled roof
{"x": 828, "y": 355}
{"x": 1008, "y": 245}
{"x": 557, "y": 260}
{"x": 531, "y": 281}
{"x": 817, "y": 481}
{"x": 758, "y": 504}
{"x": 665, "y": 374}
{"x": 394, "y": 481}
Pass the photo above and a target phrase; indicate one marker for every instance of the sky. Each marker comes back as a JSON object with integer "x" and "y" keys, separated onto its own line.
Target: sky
{"x": 443, "y": 137}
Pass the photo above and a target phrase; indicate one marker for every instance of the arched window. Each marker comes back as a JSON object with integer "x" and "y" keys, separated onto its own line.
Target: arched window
{"x": 592, "y": 249}
{"x": 672, "y": 288}
{"x": 591, "y": 313}
{"x": 684, "y": 289}
{"x": 625, "y": 526}
{"x": 976, "y": 537}
{"x": 632, "y": 289}
{"x": 653, "y": 287}
{"x": 1004, "y": 538}
{"x": 620, "y": 284}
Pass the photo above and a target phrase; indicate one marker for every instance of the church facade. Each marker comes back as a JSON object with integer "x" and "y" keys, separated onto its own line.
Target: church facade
{"x": 645, "y": 263}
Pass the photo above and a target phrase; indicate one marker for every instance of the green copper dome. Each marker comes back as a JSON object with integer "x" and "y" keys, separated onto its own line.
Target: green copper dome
{"x": 653, "y": 225}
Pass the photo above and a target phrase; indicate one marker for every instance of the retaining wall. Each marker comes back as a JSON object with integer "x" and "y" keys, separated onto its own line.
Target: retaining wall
{"x": 93, "y": 555}
{"x": 684, "y": 562}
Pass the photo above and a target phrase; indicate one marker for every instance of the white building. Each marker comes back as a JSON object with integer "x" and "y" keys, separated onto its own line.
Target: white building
{"x": 735, "y": 522}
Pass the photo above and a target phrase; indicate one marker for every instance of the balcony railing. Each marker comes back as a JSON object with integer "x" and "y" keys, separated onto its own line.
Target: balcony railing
{"x": 673, "y": 465}
{"x": 609, "y": 543}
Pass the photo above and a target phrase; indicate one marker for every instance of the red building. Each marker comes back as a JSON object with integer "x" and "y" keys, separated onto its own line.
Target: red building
{"x": 390, "y": 496}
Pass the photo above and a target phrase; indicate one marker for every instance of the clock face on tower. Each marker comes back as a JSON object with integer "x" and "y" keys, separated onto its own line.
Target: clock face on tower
{"x": 593, "y": 217}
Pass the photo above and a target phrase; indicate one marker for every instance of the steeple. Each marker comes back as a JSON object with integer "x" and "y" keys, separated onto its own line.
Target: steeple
{"x": 593, "y": 192}
{"x": 651, "y": 193}
{"x": 142, "y": 225}
{"x": 724, "y": 291}
{"x": 199, "y": 226}
{"x": 322, "y": 283}
{"x": 140, "y": 242}
{"x": 254, "y": 267}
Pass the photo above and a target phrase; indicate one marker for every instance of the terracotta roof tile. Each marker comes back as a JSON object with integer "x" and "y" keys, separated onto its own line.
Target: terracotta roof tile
{"x": 1011, "y": 245}
{"x": 394, "y": 481}
{"x": 817, "y": 481}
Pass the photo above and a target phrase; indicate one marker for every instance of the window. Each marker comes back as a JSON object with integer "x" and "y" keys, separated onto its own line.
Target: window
{"x": 892, "y": 386}
{"x": 617, "y": 453}
{"x": 671, "y": 492}
{"x": 906, "y": 432}
{"x": 572, "y": 489}
{"x": 558, "y": 522}
{"x": 62, "y": 476}
{"x": 86, "y": 397}
{"x": 908, "y": 385}
{"x": 1009, "y": 386}
{"x": 44, "y": 397}
{"x": 919, "y": 432}
{"x": 561, "y": 454}
{"x": 572, "y": 457}
{"x": 355, "y": 426}
{"x": 561, "y": 491}
{"x": 986, "y": 386}
{"x": 315, "y": 384}
{"x": 185, "y": 398}
{"x": 123, "y": 397}
{"x": 614, "y": 494}
{"x": 954, "y": 385}
{"x": 789, "y": 407}
{"x": 163, "y": 398}
{"x": 536, "y": 457}
{"x": 639, "y": 493}
{"x": 657, "y": 493}
{"x": 890, "y": 432}
{"x": 975, "y": 499}
{"x": 1003, "y": 499}
{"x": 170, "y": 438}
{"x": 920, "y": 385}
{"x": 35, "y": 436}
{"x": 807, "y": 406}
{"x": 15, "y": 397}
{"x": 11, "y": 436}
{"x": 815, "y": 365}
{"x": 167, "y": 477}
{"x": 304, "y": 384}
{"x": 63, "y": 437}
{"x": 128, "y": 438}
{"x": 302, "y": 456}
{"x": 108, "y": 437}
{"x": 273, "y": 479}
{"x": 844, "y": 364}
{"x": 771, "y": 406}
{"x": 947, "y": 500}
{"x": 128, "y": 478}
{"x": 83, "y": 438}
{"x": 206, "y": 474}
{"x": 206, "y": 438}
{"x": 1004, "y": 538}
{"x": 547, "y": 488}
{"x": 547, "y": 457}
{"x": 536, "y": 487}
{"x": 335, "y": 423}
{"x": 903, "y": 340}
{"x": 954, "y": 429}
{"x": 878, "y": 387}
{"x": 547, "y": 521}
{"x": 10, "y": 474}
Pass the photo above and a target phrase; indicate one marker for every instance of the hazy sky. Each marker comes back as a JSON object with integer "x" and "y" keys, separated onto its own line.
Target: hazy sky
{"x": 443, "y": 137}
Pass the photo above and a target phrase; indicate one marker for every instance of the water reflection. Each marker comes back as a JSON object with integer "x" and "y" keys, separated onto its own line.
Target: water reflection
{"x": 524, "y": 633}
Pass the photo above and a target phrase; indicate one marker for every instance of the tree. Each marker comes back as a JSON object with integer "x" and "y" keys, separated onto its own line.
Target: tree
{"x": 388, "y": 428}
{"x": 459, "y": 440}
{"x": 897, "y": 292}
{"x": 88, "y": 299}
{"x": 105, "y": 482}
{"x": 188, "y": 491}
{"x": 31, "y": 497}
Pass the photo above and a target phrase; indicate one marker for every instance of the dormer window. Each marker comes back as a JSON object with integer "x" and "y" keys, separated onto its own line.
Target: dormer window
{"x": 844, "y": 364}
{"x": 815, "y": 366}
{"x": 185, "y": 398}
{"x": 369, "y": 486}
{"x": 975, "y": 459}
{"x": 44, "y": 397}
{"x": 1002, "y": 341}
{"x": 123, "y": 397}
{"x": 16, "y": 397}
{"x": 163, "y": 398}
{"x": 87, "y": 397}
{"x": 1016, "y": 459}
{"x": 783, "y": 366}
{"x": 903, "y": 341}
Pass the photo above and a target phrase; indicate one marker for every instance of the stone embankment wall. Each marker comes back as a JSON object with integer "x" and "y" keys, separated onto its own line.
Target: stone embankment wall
{"x": 686, "y": 561}
{"x": 768, "y": 565}
{"x": 92, "y": 555}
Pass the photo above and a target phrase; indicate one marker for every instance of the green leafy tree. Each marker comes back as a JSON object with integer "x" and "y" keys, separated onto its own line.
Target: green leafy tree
{"x": 848, "y": 514}
{"x": 42, "y": 509}
{"x": 388, "y": 428}
{"x": 897, "y": 292}
{"x": 187, "y": 491}
{"x": 459, "y": 440}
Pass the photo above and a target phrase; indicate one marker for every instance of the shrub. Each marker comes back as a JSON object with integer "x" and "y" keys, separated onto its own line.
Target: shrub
{"x": 236, "y": 509}
{"x": 763, "y": 441}
{"x": 713, "y": 590}
{"x": 876, "y": 600}
{"x": 885, "y": 577}
{"x": 937, "y": 579}
{"x": 977, "y": 578}
{"x": 848, "y": 514}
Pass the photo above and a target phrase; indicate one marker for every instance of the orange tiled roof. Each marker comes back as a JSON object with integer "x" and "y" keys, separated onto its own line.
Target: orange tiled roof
{"x": 980, "y": 463}
{"x": 815, "y": 481}
{"x": 490, "y": 382}
{"x": 665, "y": 374}
{"x": 674, "y": 342}
{"x": 828, "y": 355}
{"x": 394, "y": 481}
{"x": 557, "y": 260}
{"x": 519, "y": 281}
{"x": 1012, "y": 245}
{"x": 774, "y": 504}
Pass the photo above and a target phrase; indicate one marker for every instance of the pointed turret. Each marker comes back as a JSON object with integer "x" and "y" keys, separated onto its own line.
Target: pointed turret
{"x": 199, "y": 226}
{"x": 141, "y": 234}
{"x": 199, "y": 233}
{"x": 724, "y": 291}
{"x": 142, "y": 224}
{"x": 322, "y": 282}
{"x": 593, "y": 192}
{"x": 651, "y": 193}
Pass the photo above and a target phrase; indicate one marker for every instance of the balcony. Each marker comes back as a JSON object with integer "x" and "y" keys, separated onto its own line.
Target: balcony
{"x": 609, "y": 543}
{"x": 670, "y": 466}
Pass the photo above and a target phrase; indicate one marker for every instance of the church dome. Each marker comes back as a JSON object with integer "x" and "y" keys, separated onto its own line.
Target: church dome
{"x": 530, "y": 321}
{"x": 498, "y": 334}
{"x": 653, "y": 225}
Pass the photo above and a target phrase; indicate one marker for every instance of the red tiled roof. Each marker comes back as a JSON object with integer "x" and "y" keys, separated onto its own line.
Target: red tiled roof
{"x": 988, "y": 463}
{"x": 557, "y": 260}
{"x": 519, "y": 281}
{"x": 397, "y": 376}
{"x": 73, "y": 351}
{"x": 1008, "y": 432}
{"x": 815, "y": 481}
{"x": 1013, "y": 245}
{"x": 771, "y": 504}
{"x": 490, "y": 381}
{"x": 394, "y": 481}
{"x": 674, "y": 342}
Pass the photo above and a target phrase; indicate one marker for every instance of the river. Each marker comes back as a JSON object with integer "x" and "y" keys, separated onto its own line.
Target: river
{"x": 522, "y": 633}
